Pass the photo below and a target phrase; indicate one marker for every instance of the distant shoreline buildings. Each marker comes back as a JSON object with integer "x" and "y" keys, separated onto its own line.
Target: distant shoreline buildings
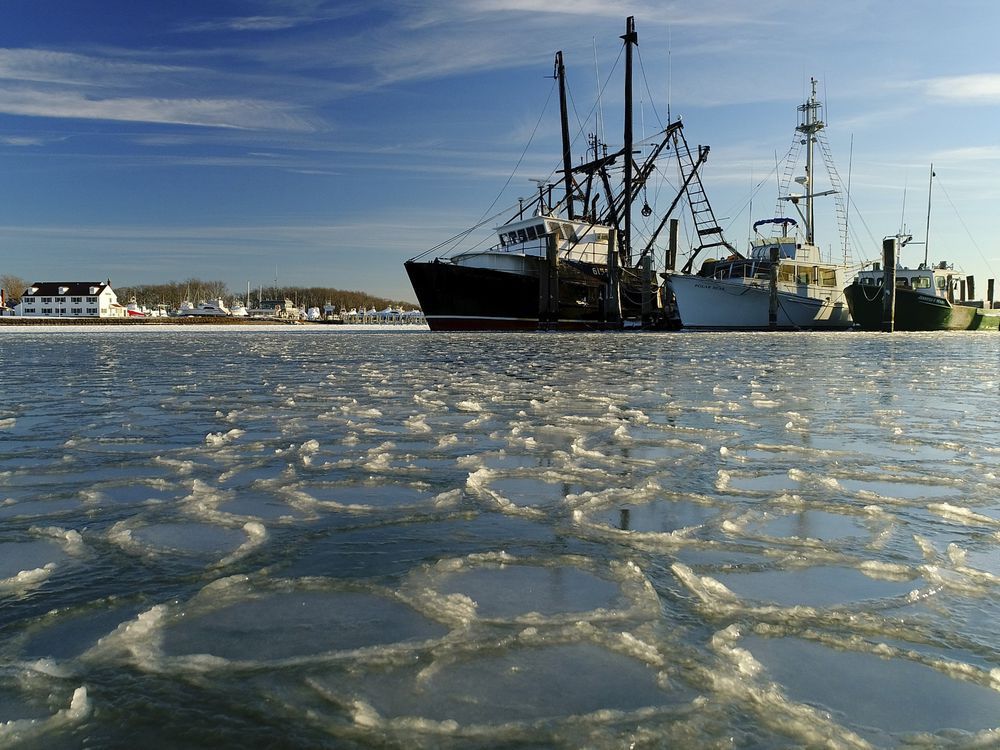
{"x": 69, "y": 299}
{"x": 93, "y": 299}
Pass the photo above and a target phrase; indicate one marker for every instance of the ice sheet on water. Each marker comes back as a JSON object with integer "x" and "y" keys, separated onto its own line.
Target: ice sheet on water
{"x": 251, "y": 626}
{"x": 657, "y": 516}
{"x": 501, "y": 587}
{"x": 817, "y": 586}
{"x": 515, "y": 685}
{"x": 879, "y": 698}
{"x": 25, "y": 565}
{"x": 63, "y": 635}
{"x": 817, "y": 524}
{"x": 29, "y": 722}
{"x": 369, "y": 496}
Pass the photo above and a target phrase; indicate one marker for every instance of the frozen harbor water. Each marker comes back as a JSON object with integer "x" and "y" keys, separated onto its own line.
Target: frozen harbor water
{"x": 328, "y": 538}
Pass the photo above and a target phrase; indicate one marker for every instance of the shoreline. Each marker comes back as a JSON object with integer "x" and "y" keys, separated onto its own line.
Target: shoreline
{"x": 183, "y": 321}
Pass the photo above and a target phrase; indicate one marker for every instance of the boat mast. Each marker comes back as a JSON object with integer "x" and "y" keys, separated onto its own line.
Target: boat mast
{"x": 631, "y": 39}
{"x": 810, "y": 126}
{"x": 927, "y": 233}
{"x": 564, "y": 119}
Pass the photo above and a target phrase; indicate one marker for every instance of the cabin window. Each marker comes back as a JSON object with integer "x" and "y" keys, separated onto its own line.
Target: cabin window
{"x": 531, "y": 233}
{"x": 827, "y": 277}
{"x": 786, "y": 273}
{"x": 522, "y": 236}
{"x": 803, "y": 275}
{"x": 942, "y": 283}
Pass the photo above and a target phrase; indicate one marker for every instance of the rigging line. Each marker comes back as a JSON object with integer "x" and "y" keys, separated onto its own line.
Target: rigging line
{"x": 484, "y": 218}
{"x": 600, "y": 94}
{"x": 465, "y": 233}
{"x": 733, "y": 214}
{"x": 525, "y": 151}
{"x": 642, "y": 71}
{"x": 965, "y": 227}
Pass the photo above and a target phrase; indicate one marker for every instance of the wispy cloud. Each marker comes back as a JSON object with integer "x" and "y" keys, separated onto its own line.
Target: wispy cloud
{"x": 247, "y": 114}
{"x": 22, "y": 140}
{"x": 980, "y": 88}
{"x": 249, "y": 23}
{"x": 55, "y": 67}
{"x": 974, "y": 154}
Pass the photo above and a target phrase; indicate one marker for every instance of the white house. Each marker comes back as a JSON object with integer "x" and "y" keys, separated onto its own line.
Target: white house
{"x": 70, "y": 299}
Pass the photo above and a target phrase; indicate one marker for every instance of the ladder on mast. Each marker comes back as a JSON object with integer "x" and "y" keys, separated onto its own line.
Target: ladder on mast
{"x": 838, "y": 197}
{"x": 791, "y": 163}
{"x": 707, "y": 228}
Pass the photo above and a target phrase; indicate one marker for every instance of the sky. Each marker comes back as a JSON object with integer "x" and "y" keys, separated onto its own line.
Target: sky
{"x": 324, "y": 142}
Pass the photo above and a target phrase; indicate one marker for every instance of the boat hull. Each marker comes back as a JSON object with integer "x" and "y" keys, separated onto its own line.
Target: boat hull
{"x": 457, "y": 297}
{"x": 916, "y": 311}
{"x": 708, "y": 303}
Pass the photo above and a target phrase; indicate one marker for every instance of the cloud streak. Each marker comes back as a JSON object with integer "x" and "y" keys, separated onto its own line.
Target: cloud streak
{"x": 244, "y": 114}
{"x": 979, "y": 88}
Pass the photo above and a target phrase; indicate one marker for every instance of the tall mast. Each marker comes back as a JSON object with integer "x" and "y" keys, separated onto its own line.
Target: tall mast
{"x": 927, "y": 233}
{"x": 809, "y": 127}
{"x": 631, "y": 39}
{"x": 564, "y": 118}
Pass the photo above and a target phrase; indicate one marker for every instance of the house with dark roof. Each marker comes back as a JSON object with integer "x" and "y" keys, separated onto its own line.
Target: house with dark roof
{"x": 70, "y": 299}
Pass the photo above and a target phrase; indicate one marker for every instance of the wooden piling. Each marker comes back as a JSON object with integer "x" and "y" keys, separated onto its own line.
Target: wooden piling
{"x": 612, "y": 302}
{"x": 672, "y": 245}
{"x": 970, "y": 285}
{"x": 548, "y": 283}
{"x": 889, "y": 284}
{"x": 772, "y": 306}
{"x": 989, "y": 292}
{"x": 646, "y": 269}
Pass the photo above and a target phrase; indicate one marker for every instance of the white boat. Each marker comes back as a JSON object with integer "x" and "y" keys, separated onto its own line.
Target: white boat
{"x": 238, "y": 310}
{"x": 735, "y": 293}
{"x": 215, "y": 308}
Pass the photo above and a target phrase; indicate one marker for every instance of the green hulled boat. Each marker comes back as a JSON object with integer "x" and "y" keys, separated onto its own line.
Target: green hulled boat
{"x": 924, "y": 301}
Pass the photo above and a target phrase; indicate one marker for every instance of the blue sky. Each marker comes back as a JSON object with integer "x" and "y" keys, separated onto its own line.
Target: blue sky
{"x": 323, "y": 143}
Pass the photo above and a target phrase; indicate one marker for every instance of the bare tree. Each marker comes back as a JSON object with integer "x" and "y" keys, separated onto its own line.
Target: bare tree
{"x": 13, "y": 286}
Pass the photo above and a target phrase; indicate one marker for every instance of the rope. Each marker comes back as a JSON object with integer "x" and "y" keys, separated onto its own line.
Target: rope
{"x": 484, "y": 219}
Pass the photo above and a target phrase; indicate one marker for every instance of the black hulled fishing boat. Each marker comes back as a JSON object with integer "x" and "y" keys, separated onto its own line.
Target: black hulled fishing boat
{"x": 577, "y": 262}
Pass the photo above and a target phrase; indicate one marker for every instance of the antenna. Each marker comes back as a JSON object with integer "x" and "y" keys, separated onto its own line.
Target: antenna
{"x": 847, "y": 201}
{"x": 902, "y": 215}
{"x": 927, "y": 233}
{"x": 600, "y": 105}
{"x": 668, "y": 76}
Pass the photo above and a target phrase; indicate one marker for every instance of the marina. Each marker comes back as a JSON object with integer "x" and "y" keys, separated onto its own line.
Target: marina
{"x": 454, "y": 395}
{"x": 325, "y": 538}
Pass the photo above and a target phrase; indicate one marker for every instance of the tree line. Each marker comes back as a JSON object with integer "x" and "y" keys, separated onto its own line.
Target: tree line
{"x": 194, "y": 290}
